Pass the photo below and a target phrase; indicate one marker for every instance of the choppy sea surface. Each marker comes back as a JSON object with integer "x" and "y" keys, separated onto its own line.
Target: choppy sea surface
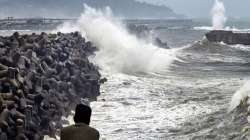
{"x": 187, "y": 100}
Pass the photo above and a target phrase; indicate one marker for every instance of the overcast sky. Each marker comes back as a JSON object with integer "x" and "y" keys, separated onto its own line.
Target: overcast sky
{"x": 201, "y": 8}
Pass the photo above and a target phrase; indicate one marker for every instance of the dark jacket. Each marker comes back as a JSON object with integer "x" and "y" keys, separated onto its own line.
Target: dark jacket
{"x": 79, "y": 131}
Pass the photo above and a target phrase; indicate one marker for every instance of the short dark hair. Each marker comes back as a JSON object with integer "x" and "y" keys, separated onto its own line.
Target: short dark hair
{"x": 82, "y": 114}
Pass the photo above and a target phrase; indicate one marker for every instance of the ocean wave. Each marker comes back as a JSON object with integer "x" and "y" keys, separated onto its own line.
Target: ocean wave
{"x": 206, "y": 28}
{"x": 210, "y": 28}
{"x": 119, "y": 51}
{"x": 240, "y": 95}
{"x": 240, "y": 47}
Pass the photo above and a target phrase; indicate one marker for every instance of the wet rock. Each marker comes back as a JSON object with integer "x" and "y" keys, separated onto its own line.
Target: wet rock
{"x": 141, "y": 31}
{"x": 144, "y": 32}
{"x": 6, "y": 61}
{"x": 42, "y": 77}
{"x": 3, "y": 118}
{"x": 161, "y": 44}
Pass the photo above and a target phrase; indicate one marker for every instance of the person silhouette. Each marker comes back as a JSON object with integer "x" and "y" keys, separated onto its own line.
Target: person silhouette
{"x": 81, "y": 129}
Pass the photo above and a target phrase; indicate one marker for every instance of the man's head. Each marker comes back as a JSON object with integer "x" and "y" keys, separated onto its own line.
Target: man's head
{"x": 82, "y": 114}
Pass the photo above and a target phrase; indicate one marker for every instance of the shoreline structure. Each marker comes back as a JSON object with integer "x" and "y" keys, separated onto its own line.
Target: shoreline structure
{"x": 42, "y": 77}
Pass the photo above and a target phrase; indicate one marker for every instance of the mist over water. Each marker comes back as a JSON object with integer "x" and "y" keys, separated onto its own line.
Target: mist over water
{"x": 67, "y": 27}
{"x": 218, "y": 12}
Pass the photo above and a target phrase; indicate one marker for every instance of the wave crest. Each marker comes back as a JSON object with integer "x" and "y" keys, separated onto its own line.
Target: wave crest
{"x": 118, "y": 49}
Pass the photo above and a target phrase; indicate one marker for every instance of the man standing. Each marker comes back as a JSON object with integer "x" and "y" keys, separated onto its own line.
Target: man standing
{"x": 81, "y": 130}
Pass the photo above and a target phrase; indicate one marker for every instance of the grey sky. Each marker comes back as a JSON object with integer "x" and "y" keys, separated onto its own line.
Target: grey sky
{"x": 201, "y": 8}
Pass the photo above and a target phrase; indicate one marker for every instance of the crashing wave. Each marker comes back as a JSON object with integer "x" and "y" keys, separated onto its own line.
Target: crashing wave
{"x": 118, "y": 49}
{"x": 240, "y": 97}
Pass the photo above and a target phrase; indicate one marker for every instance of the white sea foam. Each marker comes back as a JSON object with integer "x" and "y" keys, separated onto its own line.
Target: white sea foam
{"x": 119, "y": 50}
{"x": 210, "y": 28}
{"x": 241, "y": 94}
{"x": 241, "y": 47}
{"x": 228, "y": 28}
{"x": 206, "y": 28}
{"x": 66, "y": 27}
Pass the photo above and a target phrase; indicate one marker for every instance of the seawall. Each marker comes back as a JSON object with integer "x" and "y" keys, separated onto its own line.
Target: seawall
{"x": 228, "y": 37}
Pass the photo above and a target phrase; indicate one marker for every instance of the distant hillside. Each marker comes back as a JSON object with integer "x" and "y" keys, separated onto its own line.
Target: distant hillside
{"x": 41, "y": 8}
{"x": 134, "y": 9}
{"x": 73, "y": 8}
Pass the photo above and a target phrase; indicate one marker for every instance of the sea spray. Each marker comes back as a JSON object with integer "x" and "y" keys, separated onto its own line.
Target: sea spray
{"x": 241, "y": 94}
{"x": 118, "y": 49}
{"x": 218, "y": 13}
{"x": 66, "y": 27}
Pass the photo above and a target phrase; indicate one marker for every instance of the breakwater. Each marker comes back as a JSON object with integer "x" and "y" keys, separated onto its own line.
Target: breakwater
{"x": 42, "y": 77}
{"x": 228, "y": 37}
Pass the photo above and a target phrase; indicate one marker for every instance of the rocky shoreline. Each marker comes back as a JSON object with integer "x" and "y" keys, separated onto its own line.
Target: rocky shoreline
{"x": 42, "y": 77}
